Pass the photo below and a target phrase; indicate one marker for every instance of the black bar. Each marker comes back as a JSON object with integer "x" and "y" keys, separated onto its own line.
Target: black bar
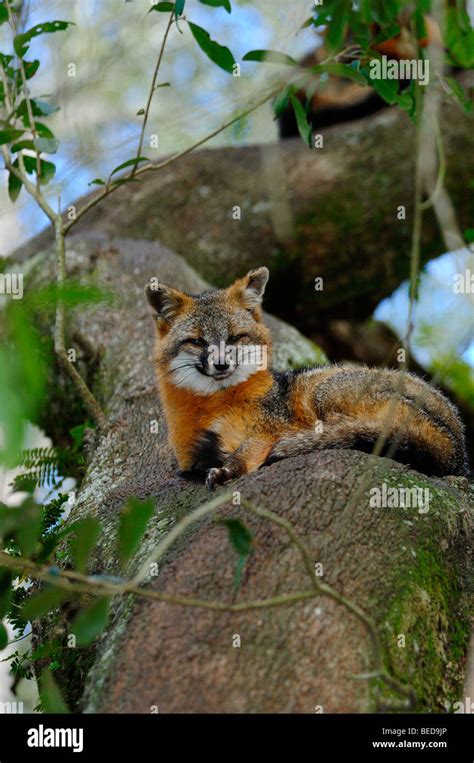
{"x": 154, "y": 736}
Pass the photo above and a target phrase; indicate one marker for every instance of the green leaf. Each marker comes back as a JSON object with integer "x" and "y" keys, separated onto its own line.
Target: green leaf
{"x": 281, "y": 102}
{"x": 42, "y": 602}
{"x": 29, "y": 527}
{"x": 3, "y": 14}
{"x": 9, "y": 135}
{"x": 90, "y": 622}
{"x": 309, "y": 22}
{"x": 386, "y": 88}
{"x": 405, "y": 101}
{"x": 47, "y": 145}
{"x": 86, "y": 533}
{"x": 162, "y": 7}
{"x": 39, "y": 109}
{"x": 239, "y": 568}
{"x": 459, "y": 93}
{"x": 219, "y": 54}
{"x": 242, "y": 540}
{"x": 384, "y": 12}
{"x": 179, "y": 7}
{"x": 218, "y": 4}
{"x": 50, "y": 695}
{"x": 31, "y": 67}
{"x": 304, "y": 127}
{"x": 239, "y": 535}
{"x": 133, "y": 522}
{"x": 22, "y": 144}
{"x": 459, "y": 37}
{"x": 42, "y": 130}
{"x": 5, "y": 591}
{"x": 22, "y": 41}
{"x": 48, "y": 169}
{"x": 340, "y": 70}
{"x": 97, "y": 181}
{"x": 14, "y": 186}
{"x": 129, "y": 163}
{"x": 270, "y": 57}
{"x": 337, "y": 26}
{"x": 3, "y": 636}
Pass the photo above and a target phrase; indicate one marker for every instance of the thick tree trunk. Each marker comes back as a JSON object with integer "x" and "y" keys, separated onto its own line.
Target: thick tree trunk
{"x": 328, "y": 213}
{"x": 403, "y": 567}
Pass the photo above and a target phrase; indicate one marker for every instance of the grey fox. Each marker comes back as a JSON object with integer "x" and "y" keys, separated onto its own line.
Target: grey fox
{"x": 229, "y": 414}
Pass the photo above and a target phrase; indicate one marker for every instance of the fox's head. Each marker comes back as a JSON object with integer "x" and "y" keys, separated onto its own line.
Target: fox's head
{"x": 214, "y": 340}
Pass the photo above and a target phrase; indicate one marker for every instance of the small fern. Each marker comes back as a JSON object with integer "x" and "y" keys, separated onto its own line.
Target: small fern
{"x": 43, "y": 468}
{"x": 51, "y": 513}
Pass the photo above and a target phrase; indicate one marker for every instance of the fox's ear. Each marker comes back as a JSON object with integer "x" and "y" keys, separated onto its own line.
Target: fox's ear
{"x": 165, "y": 301}
{"x": 252, "y": 287}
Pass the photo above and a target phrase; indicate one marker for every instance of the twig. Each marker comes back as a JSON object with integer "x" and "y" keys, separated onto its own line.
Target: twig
{"x": 152, "y": 90}
{"x": 150, "y": 167}
{"x": 74, "y": 582}
{"x": 86, "y": 395}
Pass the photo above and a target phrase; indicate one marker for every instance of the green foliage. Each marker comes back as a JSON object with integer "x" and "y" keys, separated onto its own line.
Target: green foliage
{"x": 179, "y": 7}
{"x": 340, "y": 70}
{"x": 25, "y": 355}
{"x": 219, "y": 54}
{"x": 241, "y": 540}
{"x": 21, "y": 42}
{"x": 3, "y": 636}
{"x": 270, "y": 57}
{"x": 362, "y": 25}
{"x": 9, "y": 135}
{"x": 162, "y": 7}
{"x": 304, "y": 127}
{"x": 133, "y": 522}
{"x": 90, "y": 622}
{"x": 86, "y": 533}
{"x": 44, "y": 601}
{"x": 459, "y": 36}
{"x": 43, "y": 467}
{"x": 458, "y": 92}
{"x": 10, "y": 132}
{"x": 218, "y": 4}
{"x": 22, "y": 377}
{"x": 50, "y": 695}
{"x": 129, "y": 163}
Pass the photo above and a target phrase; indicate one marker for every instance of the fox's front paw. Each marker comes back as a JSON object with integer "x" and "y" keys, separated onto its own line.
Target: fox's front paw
{"x": 217, "y": 476}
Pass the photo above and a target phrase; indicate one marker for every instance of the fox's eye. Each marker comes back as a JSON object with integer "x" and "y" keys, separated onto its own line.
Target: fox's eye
{"x": 194, "y": 341}
{"x": 237, "y": 338}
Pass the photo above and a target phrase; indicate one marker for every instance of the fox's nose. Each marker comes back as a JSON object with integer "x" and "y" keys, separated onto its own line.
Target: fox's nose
{"x": 220, "y": 367}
